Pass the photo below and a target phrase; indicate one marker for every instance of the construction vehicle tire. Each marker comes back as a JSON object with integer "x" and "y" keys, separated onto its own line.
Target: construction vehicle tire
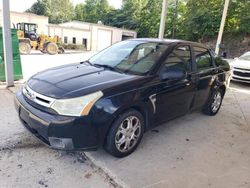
{"x": 51, "y": 48}
{"x": 24, "y": 48}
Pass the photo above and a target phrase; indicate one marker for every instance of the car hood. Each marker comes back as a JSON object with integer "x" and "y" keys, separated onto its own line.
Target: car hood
{"x": 76, "y": 80}
{"x": 241, "y": 64}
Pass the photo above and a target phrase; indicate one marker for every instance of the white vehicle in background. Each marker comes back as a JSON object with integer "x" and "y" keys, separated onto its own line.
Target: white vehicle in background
{"x": 241, "y": 68}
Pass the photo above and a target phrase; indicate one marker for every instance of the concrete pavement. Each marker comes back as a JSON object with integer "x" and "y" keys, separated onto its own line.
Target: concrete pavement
{"x": 25, "y": 162}
{"x": 193, "y": 151}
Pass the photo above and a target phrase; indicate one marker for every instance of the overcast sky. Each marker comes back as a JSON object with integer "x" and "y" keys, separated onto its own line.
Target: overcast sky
{"x": 22, "y": 5}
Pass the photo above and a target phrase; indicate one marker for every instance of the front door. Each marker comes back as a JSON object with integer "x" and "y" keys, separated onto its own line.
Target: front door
{"x": 174, "y": 97}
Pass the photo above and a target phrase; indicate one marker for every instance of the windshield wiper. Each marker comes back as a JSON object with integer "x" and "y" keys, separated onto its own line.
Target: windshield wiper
{"x": 87, "y": 61}
{"x": 109, "y": 67}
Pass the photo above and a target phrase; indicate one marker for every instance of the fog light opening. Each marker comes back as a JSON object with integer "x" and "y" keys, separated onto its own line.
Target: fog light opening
{"x": 61, "y": 143}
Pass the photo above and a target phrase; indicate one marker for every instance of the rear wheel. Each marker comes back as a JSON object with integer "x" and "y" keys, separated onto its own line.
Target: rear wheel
{"x": 214, "y": 103}
{"x": 125, "y": 134}
{"x": 51, "y": 48}
{"x": 24, "y": 48}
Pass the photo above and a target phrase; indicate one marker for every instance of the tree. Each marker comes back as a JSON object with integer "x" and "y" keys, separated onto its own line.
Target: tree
{"x": 132, "y": 12}
{"x": 58, "y": 11}
{"x": 176, "y": 19}
{"x": 150, "y": 19}
{"x": 202, "y": 18}
{"x": 39, "y": 7}
{"x": 238, "y": 19}
{"x": 187, "y": 19}
{"x": 80, "y": 13}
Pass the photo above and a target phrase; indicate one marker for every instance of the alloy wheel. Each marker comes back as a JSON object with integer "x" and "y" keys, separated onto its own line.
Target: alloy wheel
{"x": 128, "y": 134}
{"x": 216, "y": 102}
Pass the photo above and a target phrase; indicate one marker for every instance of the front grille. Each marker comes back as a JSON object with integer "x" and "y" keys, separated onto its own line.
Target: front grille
{"x": 240, "y": 79}
{"x": 242, "y": 74}
{"x": 36, "y": 97}
{"x": 241, "y": 69}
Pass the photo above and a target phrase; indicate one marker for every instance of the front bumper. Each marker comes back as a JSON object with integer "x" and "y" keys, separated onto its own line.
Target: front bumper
{"x": 56, "y": 131}
{"x": 241, "y": 75}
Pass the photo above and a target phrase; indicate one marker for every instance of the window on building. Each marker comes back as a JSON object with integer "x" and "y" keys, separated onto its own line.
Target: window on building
{"x": 203, "y": 58}
{"x": 73, "y": 40}
{"x": 65, "y": 40}
{"x": 179, "y": 58}
{"x": 84, "y": 42}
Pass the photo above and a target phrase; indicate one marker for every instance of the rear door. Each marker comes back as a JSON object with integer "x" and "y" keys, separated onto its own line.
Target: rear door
{"x": 205, "y": 71}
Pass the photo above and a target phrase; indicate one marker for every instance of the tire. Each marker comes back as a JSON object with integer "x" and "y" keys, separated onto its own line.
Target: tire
{"x": 120, "y": 132}
{"x": 24, "y": 48}
{"x": 51, "y": 48}
{"x": 214, "y": 103}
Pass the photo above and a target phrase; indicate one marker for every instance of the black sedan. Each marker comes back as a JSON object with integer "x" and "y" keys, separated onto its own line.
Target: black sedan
{"x": 118, "y": 94}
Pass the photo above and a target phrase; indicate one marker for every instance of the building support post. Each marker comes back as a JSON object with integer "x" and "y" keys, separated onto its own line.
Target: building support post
{"x": 163, "y": 19}
{"x": 7, "y": 44}
{"x": 222, "y": 24}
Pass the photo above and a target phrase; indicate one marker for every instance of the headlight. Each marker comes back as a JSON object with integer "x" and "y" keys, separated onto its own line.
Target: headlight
{"x": 79, "y": 106}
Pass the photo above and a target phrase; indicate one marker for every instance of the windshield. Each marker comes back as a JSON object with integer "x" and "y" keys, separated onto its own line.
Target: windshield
{"x": 134, "y": 57}
{"x": 245, "y": 56}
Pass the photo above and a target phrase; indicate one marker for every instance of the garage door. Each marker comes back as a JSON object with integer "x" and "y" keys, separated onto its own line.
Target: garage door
{"x": 104, "y": 39}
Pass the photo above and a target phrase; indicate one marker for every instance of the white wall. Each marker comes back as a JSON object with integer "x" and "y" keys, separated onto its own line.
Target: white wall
{"x": 98, "y": 36}
{"x": 70, "y": 33}
{"x": 17, "y": 17}
{"x": 99, "y": 40}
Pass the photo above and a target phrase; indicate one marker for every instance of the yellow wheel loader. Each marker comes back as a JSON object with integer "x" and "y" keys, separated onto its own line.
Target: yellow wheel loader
{"x": 29, "y": 39}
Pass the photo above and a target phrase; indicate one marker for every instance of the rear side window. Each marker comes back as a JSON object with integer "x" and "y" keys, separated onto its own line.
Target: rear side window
{"x": 180, "y": 58}
{"x": 203, "y": 58}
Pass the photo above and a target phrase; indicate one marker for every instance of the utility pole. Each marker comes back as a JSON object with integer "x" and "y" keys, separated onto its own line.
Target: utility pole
{"x": 7, "y": 44}
{"x": 222, "y": 24}
{"x": 163, "y": 19}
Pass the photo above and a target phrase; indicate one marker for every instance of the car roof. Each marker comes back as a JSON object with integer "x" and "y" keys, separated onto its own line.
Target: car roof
{"x": 168, "y": 41}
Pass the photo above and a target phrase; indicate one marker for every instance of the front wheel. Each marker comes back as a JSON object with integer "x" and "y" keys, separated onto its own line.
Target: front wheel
{"x": 125, "y": 134}
{"x": 24, "y": 48}
{"x": 214, "y": 103}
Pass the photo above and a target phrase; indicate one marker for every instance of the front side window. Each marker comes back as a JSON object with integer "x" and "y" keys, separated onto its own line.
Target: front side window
{"x": 135, "y": 57}
{"x": 179, "y": 58}
{"x": 203, "y": 58}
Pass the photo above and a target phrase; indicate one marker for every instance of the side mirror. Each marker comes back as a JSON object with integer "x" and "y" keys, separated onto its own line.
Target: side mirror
{"x": 173, "y": 74}
{"x": 223, "y": 55}
{"x": 222, "y": 63}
